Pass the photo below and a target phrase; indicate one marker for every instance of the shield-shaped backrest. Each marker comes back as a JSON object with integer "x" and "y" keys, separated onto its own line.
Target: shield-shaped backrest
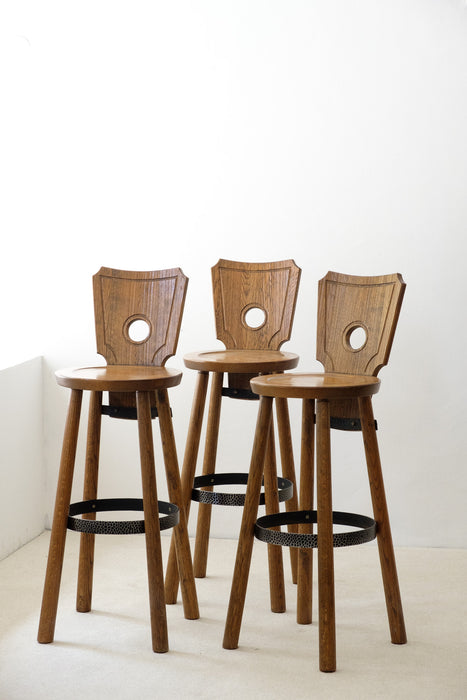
{"x": 254, "y": 303}
{"x": 357, "y": 318}
{"x": 138, "y": 314}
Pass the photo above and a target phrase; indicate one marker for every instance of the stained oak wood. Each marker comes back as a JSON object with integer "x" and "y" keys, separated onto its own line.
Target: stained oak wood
{"x": 188, "y": 475}
{"x": 241, "y": 361}
{"x": 305, "y": 556}
{"x": 160, "y": 641}
{"x": 315, "y": 386}
{"x": 288, "y": 471}
{"x": 53, "y": 573}
{"x": 134, "y": 376}
{"x": 357, "y": 319}
{"x": 182, "y": 547}
{"x": 252, "y": 347}
{"x": 246, "y": 536}
{"x": 123, "y": 297}
{"x": 91, "y": 471}
{"x": 275, "y": 561}
{"x": 118, "y": 378}
{"x": 327, "y": 613}
{"x": 347, "y": 305}
{"x": 209, "y": 465}
{"x": 381, "y": 515}
{"x": 241, "y": 288}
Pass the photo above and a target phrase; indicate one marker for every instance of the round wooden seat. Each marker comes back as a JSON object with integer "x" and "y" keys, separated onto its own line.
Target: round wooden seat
{"x": 315, "y": 386}
{"x": 244, "y": 361}
{"x": 121, "y": 378}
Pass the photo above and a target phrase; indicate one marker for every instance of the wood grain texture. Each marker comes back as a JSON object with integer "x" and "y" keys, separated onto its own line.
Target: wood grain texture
{"x": 327, "y": 613}
{"x": 288, "y": 471}
{"x": 246, "y": 537}
{"x": 305, "y": 556}
{"x": 160, "y": 641}
{"x": 122, "y": 297}
{"x": 271, "y": 495}
{"x": 348, "y": 305}
{"x": 270, "y": 287}
{"x": 188, "y": 475}
{"x": 59, "y": 525}
{"x": 118, "y": 378}
{"x": 132, "y": 379}
{"x": 252, "y": 347}
{"x": 200, "y": 557}
{"x": 314, "y": 386}
{"x": 91, "y": 470}
{"x": 381, "y": 515}
{"x": 180, "y": 532}
{"x": 348, "y": 302}
{"x": 241, "y": 361}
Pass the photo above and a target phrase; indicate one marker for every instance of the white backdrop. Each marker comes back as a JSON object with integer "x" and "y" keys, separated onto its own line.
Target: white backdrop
{"x": 145, "y": 135}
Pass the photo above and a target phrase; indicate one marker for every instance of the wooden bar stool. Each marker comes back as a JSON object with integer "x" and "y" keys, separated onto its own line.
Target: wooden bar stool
{"x": 254, "y": 306}
{"x": 357, "y": 318}
{"x": 138, "y": 317}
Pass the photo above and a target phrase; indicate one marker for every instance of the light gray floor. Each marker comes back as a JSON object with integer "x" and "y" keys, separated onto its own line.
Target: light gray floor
{"x": 107, "y": 653}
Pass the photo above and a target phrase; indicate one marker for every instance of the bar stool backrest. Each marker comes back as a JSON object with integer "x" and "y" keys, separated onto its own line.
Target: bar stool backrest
{"x": 254, "y": 303}
{"x": 138, "y": 314}
{"x": 357, "y": 319}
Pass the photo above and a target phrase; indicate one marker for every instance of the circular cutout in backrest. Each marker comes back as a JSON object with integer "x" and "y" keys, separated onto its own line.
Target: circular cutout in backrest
{"x": 254, "y": 317}
{"x": 138, "y": 330}
{"x": 355, "y": 337}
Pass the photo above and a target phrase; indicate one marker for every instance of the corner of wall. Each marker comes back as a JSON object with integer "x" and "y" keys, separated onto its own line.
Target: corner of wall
{"x": 22, "y": 466}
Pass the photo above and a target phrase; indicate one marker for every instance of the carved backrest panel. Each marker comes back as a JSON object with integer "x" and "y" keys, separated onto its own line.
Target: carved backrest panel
{"x": 138, "y": 315}
{"x": 254, "y": 303}
{"x": 357, "y": 318}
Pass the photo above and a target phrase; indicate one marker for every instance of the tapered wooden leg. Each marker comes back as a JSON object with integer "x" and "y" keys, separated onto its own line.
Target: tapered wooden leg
{"x": 385, "y": 546}
{"x": 182, "y": 544}
{"x": 288, "y": 471}
{"x": 250, "y": 514}
{"x": 276, "y": 567}
{"x": 86, "y": 551}
{"x": 305, "y": 556}
{"x": 59, "y": 526}
{"x": 160, "y": 642}
{"x": 327, "y": 625}
{"x": 188, "y": 475}
{"x": 209, "y": 465}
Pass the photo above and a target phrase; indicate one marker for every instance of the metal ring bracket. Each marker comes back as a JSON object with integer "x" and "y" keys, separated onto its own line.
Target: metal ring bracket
{"x": 118, "y": 527}
{"x": 365, "y": 533}
{"x": 285, "y": 488}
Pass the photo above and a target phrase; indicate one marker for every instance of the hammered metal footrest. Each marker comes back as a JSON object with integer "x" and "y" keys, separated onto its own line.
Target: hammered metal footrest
{"x": 365, "y": 533}
{"x": 232, "y": 499}
{"x": 118, "y": 527}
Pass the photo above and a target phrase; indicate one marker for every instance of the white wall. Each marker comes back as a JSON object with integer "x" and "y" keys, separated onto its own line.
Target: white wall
{"x": 22, "y": 468}
{"x": 151, "y": 134}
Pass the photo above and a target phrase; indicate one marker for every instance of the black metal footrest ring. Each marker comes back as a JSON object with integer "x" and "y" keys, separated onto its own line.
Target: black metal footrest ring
{"x": 216, "y": 498}
{"x": 118, "y": 527}
{"x": 365, "y": 533}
